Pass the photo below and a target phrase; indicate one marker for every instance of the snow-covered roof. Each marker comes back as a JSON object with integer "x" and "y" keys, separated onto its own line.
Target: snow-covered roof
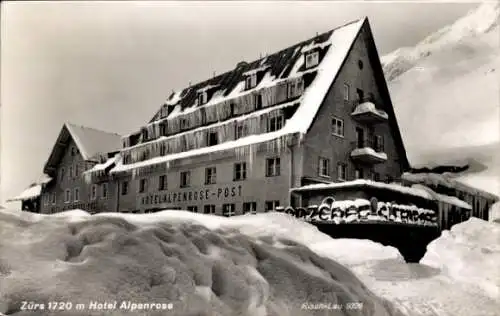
{"x": 33, "y": 191}
{"x": 280, "y": 67}
{"x": 235, "y": 144}
{"x": 29, "y": 194}
{"x": 341, "y": 41}
{"x": 436, "y": 179}
{"x": 91, "y": 142}
{"x": 103, "y": 166}
{"x": 444, "y": 198}
{"x": 367, "y": 183}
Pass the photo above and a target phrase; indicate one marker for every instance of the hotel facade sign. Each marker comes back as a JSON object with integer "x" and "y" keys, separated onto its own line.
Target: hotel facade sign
{"x": 337, "y": 212}
{"x": 162, "y": 198}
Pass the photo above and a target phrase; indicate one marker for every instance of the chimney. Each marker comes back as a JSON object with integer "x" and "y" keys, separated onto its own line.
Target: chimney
{"x": 241, "y": 64}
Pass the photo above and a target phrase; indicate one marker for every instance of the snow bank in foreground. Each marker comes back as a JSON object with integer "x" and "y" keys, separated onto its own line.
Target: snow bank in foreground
{"x": 200, "y": 264}
{"x": 495, "y": 212}
{"x": 469, "y": 253}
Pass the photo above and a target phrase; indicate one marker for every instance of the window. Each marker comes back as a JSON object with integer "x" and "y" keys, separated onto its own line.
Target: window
{"x": 163, "y": 149}
{"x": 62, "y": 174}
{"x": 337, "y": 127}
{"x": 272, "y": 167}
{"x": 228, "y": 210}
{"x": 358, "y": 173}
{"x": 376, "y": 176}
{"x": 379, "y": 143}
{"x": 185, "y": 179}
{"x": 163, "y": 129}
{"x": 361, "y": 95}
{"x": 250, "y": 207}
{"x": 124, "y": 187}
{"x": 145, "y": 134}
{"x": 77, "y": 170}
{"x": 271, "y": 205}
{"x": 258, "y": 101}
{"x": 76, "y": 194}
{"x": 162, "y": 183}
{"x": 312, "y": 59}
{"x": 145, "y": 154}
{"x": 104, "y": 190}
{"x": 324, "y": 167}
{"x": 240, "y": 171}
{"x": 210, "y": 175}
{"x": 231, "y": 108}
{"x": 275, "y": 123}
{"x": 341, "y": 171}
{"x": 54, "y": 198}
{"x": 346, "y": 92}
{"x": 143, "y": 185}
{"x": 71, "y": 172}
{"x": 73, "y": 151}
{"x": 251, "y": 81}
{"x": 360, "y": 137}
{"x": 193, "y": 209}
{"x": 212, "y": 139}
{"x": 209, "y": 209}
{"x": 67, "y": 196}
{"x": 93, "y": 192}
{"x": 184, "y": 124}
{"x": 360, "y": 64}
{"x": 240, "y": 131}
{"x": 127, "y": 158}
{"x": 202, "y": 98}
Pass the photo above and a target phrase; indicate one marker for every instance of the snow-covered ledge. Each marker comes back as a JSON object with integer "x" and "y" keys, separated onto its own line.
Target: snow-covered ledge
{"x": 368, "y": 111}
{"x": 368, "y": 153}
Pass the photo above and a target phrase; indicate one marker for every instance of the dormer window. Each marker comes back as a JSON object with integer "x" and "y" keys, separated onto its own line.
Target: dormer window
{"x": 163, "y": 129}
{"x": 212, "y": 139}
{"x": 258, "y": 101}
{"x": 184, "y": 123}
{"x": 275, "y": 123}
{"x": 251, "y": 81}
{"x": 202, "y": 98}
{"x": 312, "y": 59}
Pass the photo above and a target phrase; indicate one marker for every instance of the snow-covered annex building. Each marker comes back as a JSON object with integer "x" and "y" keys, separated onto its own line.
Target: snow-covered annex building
{"x": 318, "y": 112}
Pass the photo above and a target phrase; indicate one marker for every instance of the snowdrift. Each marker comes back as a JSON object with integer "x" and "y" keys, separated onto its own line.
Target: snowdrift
{"x": 200, "y": 264}
{"x": 494, "y": 215}
{"x": 469, "y": 253}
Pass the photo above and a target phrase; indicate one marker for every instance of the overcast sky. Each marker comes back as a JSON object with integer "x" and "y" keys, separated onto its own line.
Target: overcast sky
{"x": 110, "y": 65}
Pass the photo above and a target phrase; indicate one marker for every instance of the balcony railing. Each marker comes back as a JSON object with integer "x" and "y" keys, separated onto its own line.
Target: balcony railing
{"x": 366, "y": 111}
{"x": 368, "y": 152}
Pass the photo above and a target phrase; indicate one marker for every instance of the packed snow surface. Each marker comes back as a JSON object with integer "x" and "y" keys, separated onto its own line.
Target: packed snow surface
{"x": 264, "y": 264}
{"x": 201, "y": 264}
{"x": 470, "y": 253}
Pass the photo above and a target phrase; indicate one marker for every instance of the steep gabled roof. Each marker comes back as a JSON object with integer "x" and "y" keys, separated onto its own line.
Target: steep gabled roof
{"x": 285, "y": 64}
{"x": 277, "y": 67}
{"x": 89, "y": 141}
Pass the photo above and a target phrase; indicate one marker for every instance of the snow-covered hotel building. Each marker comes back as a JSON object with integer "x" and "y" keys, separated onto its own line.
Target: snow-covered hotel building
{"x": 316, "y": 112}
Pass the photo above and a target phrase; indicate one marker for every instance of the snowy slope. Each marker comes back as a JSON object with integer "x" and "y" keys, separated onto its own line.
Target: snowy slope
{"x": 201, "y": 264}
{"x": 449, "y": 84}
{"x": 246, "y": 265}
